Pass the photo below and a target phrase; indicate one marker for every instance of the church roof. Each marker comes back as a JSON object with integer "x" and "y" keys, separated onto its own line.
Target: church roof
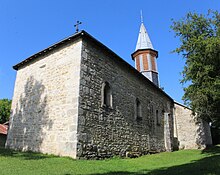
{"x": 177, "y": 103}
{"x": 144, "y": 41}
{"x": 3, "y": 129}
{"x": 50, "y": 48}
{"x": 84, "y": 35}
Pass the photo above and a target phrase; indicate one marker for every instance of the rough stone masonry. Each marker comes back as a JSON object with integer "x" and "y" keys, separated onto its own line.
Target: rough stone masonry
{"x": 77, "y": 98}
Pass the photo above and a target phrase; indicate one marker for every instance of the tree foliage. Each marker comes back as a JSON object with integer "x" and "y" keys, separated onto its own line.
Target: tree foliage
{"x": 200, "y": 47}
{"x": 5, "y": 107}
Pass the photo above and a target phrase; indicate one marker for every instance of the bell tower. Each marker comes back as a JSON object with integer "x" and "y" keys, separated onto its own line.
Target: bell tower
{"x": 145, "y": 56}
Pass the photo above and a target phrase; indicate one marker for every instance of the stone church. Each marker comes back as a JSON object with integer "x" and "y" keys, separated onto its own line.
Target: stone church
{"x": 78, "y": 98}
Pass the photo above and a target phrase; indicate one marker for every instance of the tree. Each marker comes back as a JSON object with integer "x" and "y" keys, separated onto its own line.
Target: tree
{"x": 200, "y": 47}
{"x": 5, "y": 107}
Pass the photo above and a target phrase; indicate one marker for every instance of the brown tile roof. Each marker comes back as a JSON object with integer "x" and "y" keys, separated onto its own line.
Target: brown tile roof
{"x": 3, "y": 129}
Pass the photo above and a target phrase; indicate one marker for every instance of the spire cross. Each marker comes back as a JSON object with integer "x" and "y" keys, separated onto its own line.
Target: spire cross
{"x": 77, "y": 26}
{"x": 142, "y": 17}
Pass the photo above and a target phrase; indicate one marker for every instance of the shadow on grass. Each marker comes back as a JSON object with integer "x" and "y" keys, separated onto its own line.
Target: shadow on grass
{"x": 23, "y": 155}
{"x": 212, "y": 150}
{"x": 208, "y": 165}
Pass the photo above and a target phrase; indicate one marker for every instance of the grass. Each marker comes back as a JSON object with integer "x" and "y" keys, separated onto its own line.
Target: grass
{"x": 193, "y": 162}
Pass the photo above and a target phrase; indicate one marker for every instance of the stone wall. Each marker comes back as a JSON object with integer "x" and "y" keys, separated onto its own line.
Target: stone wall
{"x": 45, "y": 103}
{"x": 190, "y": 132}
{"x": 108, "y": 131}
{"x": 2, "y": 140}
{"x": 58, "y": 107}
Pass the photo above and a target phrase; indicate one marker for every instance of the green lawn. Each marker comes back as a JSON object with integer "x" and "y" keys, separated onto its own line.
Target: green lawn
{"x": 185, "y": 162}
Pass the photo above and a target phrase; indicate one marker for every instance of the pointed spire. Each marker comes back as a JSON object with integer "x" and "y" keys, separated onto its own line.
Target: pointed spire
{"x": 142, "y": 21}
{"x": 144, "y": 41}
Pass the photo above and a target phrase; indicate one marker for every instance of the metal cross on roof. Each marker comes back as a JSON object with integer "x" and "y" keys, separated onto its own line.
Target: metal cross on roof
{"x": 77, "y": 26}
{"x": 142, "y": 21}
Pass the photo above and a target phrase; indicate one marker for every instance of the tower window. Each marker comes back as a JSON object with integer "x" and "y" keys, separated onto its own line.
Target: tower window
{"x": 106, "y": 95}
{"x": 138, "y": 110}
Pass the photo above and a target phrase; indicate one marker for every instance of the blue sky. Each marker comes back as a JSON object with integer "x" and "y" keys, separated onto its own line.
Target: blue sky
{"x": 28, "y": 26}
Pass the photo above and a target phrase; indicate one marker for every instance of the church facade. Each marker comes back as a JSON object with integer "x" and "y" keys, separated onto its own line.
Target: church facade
{"x": 78, "y": 98}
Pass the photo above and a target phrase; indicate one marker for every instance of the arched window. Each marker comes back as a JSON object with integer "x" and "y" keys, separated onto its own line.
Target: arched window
{"x": 138, "y": 110}
{"x": 157, "y": 117}
{"x": 106, "y": 95}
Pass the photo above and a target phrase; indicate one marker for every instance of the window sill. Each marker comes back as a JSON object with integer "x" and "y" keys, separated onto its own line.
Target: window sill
{"x": 106, "y": 107}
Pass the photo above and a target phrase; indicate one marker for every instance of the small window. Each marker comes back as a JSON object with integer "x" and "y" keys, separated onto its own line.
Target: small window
{"x": 151, "y": 108}
{"x": 106, "y": 95}
{"x": 157, "y": 118}
{"x": 138, "y": 110}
